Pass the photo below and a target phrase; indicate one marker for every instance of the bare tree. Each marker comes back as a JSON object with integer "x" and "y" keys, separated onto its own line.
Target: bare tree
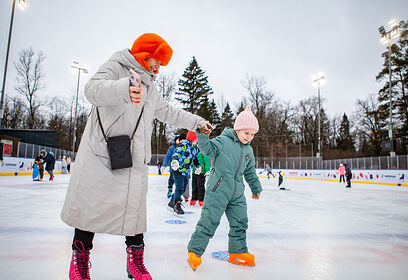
{"x": 259, "y": 95}
{"x": 307, "y": 122}
{"x": 14, "y": 113}
{"x": 370, "y": 124}
{"x": 30, "y": 79}
{"x": 167, "y": 85}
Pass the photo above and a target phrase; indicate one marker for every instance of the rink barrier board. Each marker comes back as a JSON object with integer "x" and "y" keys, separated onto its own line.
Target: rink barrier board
{"x": 12, "y": 166}
{"x": 320, "y": 179}
{"x": 24, "y": 173}
{"x": 335, "y": 180}
{"x": 263, "y": 177}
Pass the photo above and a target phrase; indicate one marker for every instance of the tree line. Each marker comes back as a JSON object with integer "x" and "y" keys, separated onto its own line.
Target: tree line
{"x": 282, "y": 123}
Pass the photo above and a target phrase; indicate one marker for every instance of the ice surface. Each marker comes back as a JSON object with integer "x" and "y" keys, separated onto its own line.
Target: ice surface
{"x": 316, "y": 230}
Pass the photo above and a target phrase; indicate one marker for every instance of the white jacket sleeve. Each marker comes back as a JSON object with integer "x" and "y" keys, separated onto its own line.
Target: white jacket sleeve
{"x": 105, "y": 88}
{"x": 164, "y": 112}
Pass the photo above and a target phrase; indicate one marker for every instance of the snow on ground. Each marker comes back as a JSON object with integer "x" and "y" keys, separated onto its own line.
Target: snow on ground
{"x": 316, "y": 230}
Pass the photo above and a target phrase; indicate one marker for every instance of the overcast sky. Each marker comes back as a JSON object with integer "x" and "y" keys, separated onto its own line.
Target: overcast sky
{"x": 284, "y": 41}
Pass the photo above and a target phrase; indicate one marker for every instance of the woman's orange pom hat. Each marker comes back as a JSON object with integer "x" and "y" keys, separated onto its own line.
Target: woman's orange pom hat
{"x": 151, "y": 45}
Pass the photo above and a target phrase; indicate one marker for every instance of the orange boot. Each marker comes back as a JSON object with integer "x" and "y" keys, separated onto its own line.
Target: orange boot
{"x": 193, "y": 260}
{"x": 246, "y": 259}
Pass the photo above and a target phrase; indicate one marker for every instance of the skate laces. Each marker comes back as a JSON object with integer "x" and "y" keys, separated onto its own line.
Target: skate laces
{"x": 83, "y": 261}
{"x": 137, "y": 256}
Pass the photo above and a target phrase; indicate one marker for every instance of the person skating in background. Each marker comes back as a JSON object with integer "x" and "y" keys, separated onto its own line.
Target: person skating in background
{"x": 268, "y": 169}
{"x": 181, "y": 163}
{"x": 69, "y": 164}
{"x": 36, "y": 172}
{"x": 349, "y": 175}
{"x": 64, "y": 165}
{"x": 200, "y": 172}
{"x": 280, "y": 182}
{"x": 234, "y": 158}
{"x": 40, "y": 166}
{"x": 159, "y": 165}
{"x": 49, "y": 160}
{"x": 342, "y": 172}
{"x": 167, "y": 161}
{"x": 102, "y": 200}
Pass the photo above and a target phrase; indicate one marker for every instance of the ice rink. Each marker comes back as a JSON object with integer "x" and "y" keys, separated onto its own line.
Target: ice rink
{"x": 316, "y": 230}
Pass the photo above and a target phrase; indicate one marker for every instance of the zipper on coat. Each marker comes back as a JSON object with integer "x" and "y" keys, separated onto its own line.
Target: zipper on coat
{"x": 218, "y": 183}
{"x": 236, "y": 171}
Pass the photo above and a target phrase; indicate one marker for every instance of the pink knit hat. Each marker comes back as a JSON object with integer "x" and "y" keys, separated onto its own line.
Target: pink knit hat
{"x": 246, "y": 120}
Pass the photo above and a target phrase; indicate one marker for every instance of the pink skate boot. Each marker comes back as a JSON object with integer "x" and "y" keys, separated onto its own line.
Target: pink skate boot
{"x": 80, "y": 263}
{"x": 135, "y": 266}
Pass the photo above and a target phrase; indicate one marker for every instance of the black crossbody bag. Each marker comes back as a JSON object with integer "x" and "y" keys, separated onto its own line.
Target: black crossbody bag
{"x": 119, "y": 151}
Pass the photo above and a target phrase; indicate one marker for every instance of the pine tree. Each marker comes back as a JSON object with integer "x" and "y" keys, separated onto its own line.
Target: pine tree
{"x": 194, "y": 88}
{"x": 227, "y": 118}
{"x": 345, "y": 140}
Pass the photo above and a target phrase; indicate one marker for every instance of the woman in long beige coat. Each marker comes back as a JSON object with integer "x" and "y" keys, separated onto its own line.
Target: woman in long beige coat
{"x": 101, "y": 200}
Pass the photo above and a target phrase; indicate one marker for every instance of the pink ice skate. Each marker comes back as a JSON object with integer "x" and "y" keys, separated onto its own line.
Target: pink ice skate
{"x": 135, "y": 266}
{"x": 80, "y": 263}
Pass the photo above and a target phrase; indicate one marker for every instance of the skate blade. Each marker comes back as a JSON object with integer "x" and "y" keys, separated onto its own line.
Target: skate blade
{"x": 174, "y": 213}
{"x": 178, "y": 215}
{"x": 241, "y": 264}
{"x": 191, "y": 266}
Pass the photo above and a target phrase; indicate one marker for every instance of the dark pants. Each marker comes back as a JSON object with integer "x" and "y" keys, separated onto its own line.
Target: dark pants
{"x": 342, "y": 176}
{"x": 269, "y": 173}
{"x": 69, "y": 168}
{"x": 171, "y": 180}
{"x": 348, "y": 179}
{"x": 86, "y": 238}
{"x": 198, "y": 187}
{"x": 181, "y": 184}
{"x": 51, "y": 172}
{"x": 41, "y": 170}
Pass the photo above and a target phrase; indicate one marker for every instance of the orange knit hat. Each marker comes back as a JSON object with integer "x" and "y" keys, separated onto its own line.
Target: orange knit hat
{"x": 151, "y": 45}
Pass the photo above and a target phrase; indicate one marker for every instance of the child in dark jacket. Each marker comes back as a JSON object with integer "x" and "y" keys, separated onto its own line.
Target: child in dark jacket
{"x": 182, "y": 161}
{"x": 167, "y": 161}
{"x": 234, "y": 158}
{"x": 38, "y": 161}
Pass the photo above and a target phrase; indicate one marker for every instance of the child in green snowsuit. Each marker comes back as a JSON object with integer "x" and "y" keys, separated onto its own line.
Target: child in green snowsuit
{"x": 233, "y": 158}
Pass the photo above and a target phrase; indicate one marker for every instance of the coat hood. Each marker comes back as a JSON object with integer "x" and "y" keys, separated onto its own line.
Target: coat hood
{"x": 125, "y": 58}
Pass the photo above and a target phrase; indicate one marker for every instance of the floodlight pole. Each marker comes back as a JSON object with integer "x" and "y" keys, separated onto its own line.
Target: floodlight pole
{"x": 388, "y": 36}
{"x": 76, "y": 110}
{"x": 392, "y": 153}
{"x": 76, "y": 65}
{"x": 6, "y": 62}
{"x": 317, "y": 82}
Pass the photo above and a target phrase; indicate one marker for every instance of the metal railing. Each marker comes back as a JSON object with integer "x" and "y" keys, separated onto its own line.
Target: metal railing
{"x": 366, "y": 163}
{"x": 25, "y": 150}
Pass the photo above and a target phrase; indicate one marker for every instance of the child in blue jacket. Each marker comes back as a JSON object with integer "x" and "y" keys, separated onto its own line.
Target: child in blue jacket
{"x": 182, "y": 160}
{"x": 167, "y": 161}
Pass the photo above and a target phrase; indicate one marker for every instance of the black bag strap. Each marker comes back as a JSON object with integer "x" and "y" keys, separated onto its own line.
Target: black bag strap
{"x": 134, "y": 131}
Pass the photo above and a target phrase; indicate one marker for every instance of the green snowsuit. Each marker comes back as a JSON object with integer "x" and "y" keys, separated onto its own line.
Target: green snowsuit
{"x": 225, "y": 191}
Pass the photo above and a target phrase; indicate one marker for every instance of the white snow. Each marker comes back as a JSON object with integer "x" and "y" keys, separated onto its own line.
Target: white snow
{"x": 316, "y": 230}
